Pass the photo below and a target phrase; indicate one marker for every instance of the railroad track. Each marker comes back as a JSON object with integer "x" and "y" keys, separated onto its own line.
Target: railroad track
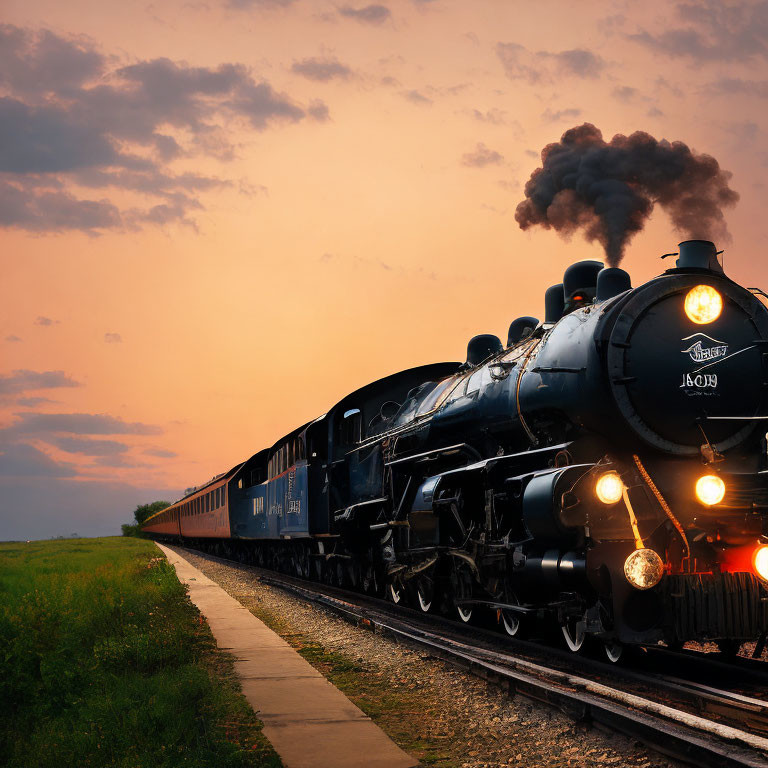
{"x": 675, "y": 714}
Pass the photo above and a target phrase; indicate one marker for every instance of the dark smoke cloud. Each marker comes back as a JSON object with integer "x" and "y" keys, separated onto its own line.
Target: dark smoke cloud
{"x": 608, "y": 189}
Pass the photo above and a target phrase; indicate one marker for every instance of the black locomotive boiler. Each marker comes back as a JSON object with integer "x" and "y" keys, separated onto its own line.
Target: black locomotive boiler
{"x": 605, "y": 471}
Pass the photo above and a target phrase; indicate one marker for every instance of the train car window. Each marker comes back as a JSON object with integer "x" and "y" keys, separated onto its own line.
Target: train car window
{"x": 290, "y": 454}
{"x": 301, "y": 453}
{"x": 223, "y": 495}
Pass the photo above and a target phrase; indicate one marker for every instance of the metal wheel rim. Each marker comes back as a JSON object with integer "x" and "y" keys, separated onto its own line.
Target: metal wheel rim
{"x": 425, "y": 605}
{"x": 574, "y": 638}
{"x": 464, "y": 614}
{"x": 510, "y": 622}
{"x": 613, "y": 651}
{"x": 394, "y": 594}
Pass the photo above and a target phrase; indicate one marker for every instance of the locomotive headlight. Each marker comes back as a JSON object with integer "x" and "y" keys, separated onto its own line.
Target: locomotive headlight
{"x": 710, "y": 490}
{"x": 703, "y": 304}
{"x": 609, "y": 488}
{"x": 643, "y": 569}
{"x": 760, "y": 561}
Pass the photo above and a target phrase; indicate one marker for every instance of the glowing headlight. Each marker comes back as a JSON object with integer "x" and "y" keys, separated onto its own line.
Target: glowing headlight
{"x": 643, "y": 569}
{"x": 703, "y": 304}
{"x": 609, "y": 488}
{"x": 710, "y": 490}
{"x": 760, "y": 561}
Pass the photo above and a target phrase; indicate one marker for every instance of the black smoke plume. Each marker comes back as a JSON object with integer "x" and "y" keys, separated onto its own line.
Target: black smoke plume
{"x": 608, "y": 190}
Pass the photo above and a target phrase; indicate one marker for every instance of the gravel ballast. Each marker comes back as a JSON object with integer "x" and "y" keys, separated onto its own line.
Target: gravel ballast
{"x": 443, "y": 716}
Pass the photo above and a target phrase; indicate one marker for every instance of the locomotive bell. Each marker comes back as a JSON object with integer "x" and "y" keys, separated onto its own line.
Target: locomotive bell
{"x": 580, "y": 283}
{"x": 612, "y": 281}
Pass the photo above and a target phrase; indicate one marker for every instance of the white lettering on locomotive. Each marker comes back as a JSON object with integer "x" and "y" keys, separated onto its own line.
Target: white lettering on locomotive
{"x": 705, "y": 348}
{"x": 699, "y": 381}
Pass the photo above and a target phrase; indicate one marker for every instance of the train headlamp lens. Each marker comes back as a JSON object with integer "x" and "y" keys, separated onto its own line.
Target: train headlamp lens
{"x": 609, "y": 488}
{"x": 703, "y": 304}
{"x": 643, "y": 569}
{"x": 710, "y": 490}
{"x": 760, "y": 562}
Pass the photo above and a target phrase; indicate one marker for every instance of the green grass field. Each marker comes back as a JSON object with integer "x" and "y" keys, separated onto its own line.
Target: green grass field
{"x": 105, "y": 662}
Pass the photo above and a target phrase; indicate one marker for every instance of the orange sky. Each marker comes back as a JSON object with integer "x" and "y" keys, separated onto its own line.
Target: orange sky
{"x": 351, "y": 218}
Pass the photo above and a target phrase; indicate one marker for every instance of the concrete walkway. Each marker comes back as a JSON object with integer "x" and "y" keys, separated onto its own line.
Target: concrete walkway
{"x": 310, "y": 723}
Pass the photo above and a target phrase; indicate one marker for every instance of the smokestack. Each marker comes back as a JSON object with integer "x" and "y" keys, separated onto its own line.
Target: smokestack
{"x": 698, "y": 254}
{"x": 608, "y": 189}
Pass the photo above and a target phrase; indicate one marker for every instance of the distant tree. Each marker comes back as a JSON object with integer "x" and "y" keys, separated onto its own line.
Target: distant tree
{"x": 130, "y": 530}
{"x": 140, "y": 514}
{"x": 145, "y": 511}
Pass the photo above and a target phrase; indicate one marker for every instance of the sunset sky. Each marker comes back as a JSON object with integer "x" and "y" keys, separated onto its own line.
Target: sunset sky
{"x": 219, "y": 217}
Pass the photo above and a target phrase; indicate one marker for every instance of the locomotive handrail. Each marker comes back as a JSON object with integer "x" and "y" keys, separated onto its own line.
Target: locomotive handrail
{"x": 557, "y": 369}
{"x": 734, "y": 418}
{"x": 448, "y": 449}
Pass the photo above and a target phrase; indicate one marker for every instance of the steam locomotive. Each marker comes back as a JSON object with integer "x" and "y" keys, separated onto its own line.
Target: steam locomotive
{"x": 605, "y": 471}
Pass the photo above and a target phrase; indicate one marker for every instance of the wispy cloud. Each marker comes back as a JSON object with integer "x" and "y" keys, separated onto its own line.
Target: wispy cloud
{"x": 369, "y": 14}
{"x": 321, "y": 69}
{"x": 24, "y": 381}
{"x": 545, "y": 67}
{"x": 78, "y": 424}
{"x": 481, "y": 157}
{"x": 570, "y": 113}
{"x": 416, "y": 97}
{"x": 90, "y": 447}
{"x": 711, "y": 31}
{"x": 72, "y": 120}
{"x": 160, "y": 453}
{"x": 22, "y": 460}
